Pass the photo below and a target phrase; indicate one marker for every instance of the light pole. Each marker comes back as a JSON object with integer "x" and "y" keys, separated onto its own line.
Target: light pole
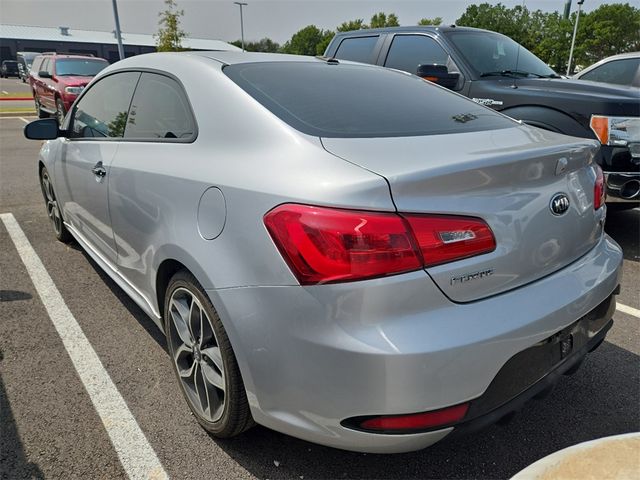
{"x": 573, "y": 40}
{"x": 240, "y": 4}
{"x": 118, "y": 34}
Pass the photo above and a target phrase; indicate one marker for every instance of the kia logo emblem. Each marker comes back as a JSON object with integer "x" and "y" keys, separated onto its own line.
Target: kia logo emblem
{"x": 559, "y": 204}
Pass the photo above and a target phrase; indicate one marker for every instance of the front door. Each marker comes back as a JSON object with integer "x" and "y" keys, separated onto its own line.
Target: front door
{"x": 94, "y": 130}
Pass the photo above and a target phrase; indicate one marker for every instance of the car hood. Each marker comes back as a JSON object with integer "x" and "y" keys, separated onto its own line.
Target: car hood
{"x": 74, "y": 81}
{"x": 582, "y": 90}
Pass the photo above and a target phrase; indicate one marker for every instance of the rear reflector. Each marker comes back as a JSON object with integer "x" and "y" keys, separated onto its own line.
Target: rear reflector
{"x": 413, "y": 422}
{"x": 324, "y": 245}
{"x": 446, "y": 238}
{"x": 598, "y": 189}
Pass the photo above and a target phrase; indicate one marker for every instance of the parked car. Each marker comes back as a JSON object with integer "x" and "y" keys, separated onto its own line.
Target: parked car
{"x": 495, "y": 71}
{"x": 344, "y": 268}
{"x": 25, "y": 60}
{"x": 623, "y": 69}
{"x": 57, "y": 79}
{"x": 9, "y": 68}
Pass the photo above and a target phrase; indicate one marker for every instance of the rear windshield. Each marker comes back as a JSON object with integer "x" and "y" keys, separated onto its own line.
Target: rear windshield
{"x": 79, "y": 66}
{"x": 328, "y": 100}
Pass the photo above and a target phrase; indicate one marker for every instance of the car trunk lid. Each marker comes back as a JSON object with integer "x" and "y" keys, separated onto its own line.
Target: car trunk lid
{"x": 508, "y": 178}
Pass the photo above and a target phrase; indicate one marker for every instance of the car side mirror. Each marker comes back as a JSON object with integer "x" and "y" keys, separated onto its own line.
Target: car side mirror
{"x": 45, "y": 129}
{"x": 438, "y": 74}
{"x": 44, "y": 74}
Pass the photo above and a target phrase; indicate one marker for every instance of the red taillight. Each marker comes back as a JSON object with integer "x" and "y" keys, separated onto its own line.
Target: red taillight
{"x": 329, "y": 245}
{"x": 323, "y": 245}
{"x": 446, "y": 238}
{"x": 598, "y": 189}
{"x": 415, "y": 421}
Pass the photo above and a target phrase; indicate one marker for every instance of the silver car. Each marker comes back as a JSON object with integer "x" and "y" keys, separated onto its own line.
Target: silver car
{"x": 340, "y": 252}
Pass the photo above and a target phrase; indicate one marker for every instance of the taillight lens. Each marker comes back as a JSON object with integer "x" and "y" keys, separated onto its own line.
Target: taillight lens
{"x": 443, "y": 238}
{"x": 324, "y": 245}
{"x": 598, "y": 189}
{"x": 329, "y": 245}
{"x": 412, "y": 422}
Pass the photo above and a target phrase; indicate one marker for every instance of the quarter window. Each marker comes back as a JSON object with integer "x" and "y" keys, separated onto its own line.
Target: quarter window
{"x": 358, "y": 49}
{"x": 409, "y": 51}
{"x": 102, "y": 111}
{"x": 159, "y": 110}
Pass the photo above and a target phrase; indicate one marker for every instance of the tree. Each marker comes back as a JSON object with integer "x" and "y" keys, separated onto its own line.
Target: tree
{"x": 170, "y": 35}
{"x": 265, "y": 45}
{"x": 380, "y": 20}
{"x": 308, "y": 41}
{"x": 357, "y": 24}
{"x": 430, "y": 21}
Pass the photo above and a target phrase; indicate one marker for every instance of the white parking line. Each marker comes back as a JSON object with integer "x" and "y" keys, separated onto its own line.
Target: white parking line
{"x": 24, "y": 119}
{"x": 136, "y": 455}
{"x": 5, "y": 92}
{"x": 628, "y": 310}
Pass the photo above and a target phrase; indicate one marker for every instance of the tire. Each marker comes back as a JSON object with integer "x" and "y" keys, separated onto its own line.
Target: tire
{"x": 41, "y": 113}
{"x": 60, "y": 112}
{"x": 53, "y": 209}
{"x": 203, "y": 359}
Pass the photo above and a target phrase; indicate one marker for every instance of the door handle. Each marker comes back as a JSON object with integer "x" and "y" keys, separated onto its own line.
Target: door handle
{"x": 98, "y": 170}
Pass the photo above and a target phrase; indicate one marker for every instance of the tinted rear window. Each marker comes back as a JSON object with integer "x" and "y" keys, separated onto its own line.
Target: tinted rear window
{"x": 326, "y": 100}
{"x": 79, "y": 66}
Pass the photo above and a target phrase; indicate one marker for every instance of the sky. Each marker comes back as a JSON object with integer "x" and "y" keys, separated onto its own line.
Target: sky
{"x": 220, "y": 19}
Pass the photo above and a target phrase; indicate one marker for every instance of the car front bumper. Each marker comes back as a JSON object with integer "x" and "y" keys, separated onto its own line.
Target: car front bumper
{"x": 314, "y": 356}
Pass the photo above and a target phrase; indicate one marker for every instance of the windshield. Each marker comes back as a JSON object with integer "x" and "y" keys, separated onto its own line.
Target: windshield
{"x": 327, "y": 100}
{"x": 494, "y": 54}
{"x": 79, "y": 66}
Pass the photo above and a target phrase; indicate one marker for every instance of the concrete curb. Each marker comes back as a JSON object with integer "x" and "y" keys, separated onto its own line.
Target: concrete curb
{"x": 616, "y": 457}
{"x": 17, "y": 99}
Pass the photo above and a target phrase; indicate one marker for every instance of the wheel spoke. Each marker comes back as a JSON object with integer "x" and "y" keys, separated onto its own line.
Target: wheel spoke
{"x": 184, "y": 361}
{"x": 213, "y": 376}
{"x": 195, "y": 320}
{"x": 213, "y": 354}
{"x": 202, "y": 391}
{"x": 179, "y": 313}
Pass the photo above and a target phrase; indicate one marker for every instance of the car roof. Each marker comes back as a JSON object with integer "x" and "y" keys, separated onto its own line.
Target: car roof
{"x": 233, "y": 57}
{"x": 412, "y": 29}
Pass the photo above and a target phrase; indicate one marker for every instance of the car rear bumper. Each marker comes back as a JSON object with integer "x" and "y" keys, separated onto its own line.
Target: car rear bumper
{"x": 312, "y": 357}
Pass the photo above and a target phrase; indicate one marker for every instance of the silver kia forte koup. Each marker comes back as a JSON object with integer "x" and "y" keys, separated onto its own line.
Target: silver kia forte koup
{"x": 340, "y": 252}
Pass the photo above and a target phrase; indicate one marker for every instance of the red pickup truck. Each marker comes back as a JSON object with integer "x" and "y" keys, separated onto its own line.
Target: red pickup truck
{"x": 57, "y": 79}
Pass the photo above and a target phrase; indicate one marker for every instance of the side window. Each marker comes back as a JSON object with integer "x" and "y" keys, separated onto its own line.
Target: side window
{"x": 159, "y": 110}
{"x": 409, "y": 51}
{"x": 43, "y": 66}
{"x": 102, "y": 111}
{"x": 35, "y": 66}
{"x": 49, "y": 66}
{"x": 620, "y": 72}
{"x": 358, "y": 49}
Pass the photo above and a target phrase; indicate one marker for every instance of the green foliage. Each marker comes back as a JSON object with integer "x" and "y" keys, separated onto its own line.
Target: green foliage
{"x": 357, "y": 24}
{"x": 607, "y": 30}
{"x": 381, "y": 19}
{"x": 309, "y": 41}
{"x": 265, "y": 45}
{"x": 170, "y": 35}
{"x": 430, "y": 21}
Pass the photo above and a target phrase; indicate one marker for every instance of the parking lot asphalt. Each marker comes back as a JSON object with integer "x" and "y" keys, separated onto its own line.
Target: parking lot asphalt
{"x": 14, "y": 86}
{"x": 50, "y": 429}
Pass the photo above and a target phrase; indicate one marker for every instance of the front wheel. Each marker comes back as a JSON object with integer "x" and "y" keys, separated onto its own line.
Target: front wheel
{"x": 53, "y": 209}
{"x": 203, "y": 359}
{"x": 60, "y": 112}
{"x": 41, "y": 113}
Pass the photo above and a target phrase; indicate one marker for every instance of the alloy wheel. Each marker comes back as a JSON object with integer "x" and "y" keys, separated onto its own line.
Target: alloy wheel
{"x": 196, "y": 354}
{"x": 53, "y": 210}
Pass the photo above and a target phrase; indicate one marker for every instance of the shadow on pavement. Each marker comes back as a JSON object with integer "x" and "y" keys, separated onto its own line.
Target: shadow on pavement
{"x": 624, "y": 227}
{"x": 601, "y": 399}
{"x": 13, "y": 462}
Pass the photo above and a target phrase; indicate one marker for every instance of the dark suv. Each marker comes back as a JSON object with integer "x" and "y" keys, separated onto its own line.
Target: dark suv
{"x": 9, "y": 68}
{"x": 57, "y": 79}
{"x": 495, "y": 71}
